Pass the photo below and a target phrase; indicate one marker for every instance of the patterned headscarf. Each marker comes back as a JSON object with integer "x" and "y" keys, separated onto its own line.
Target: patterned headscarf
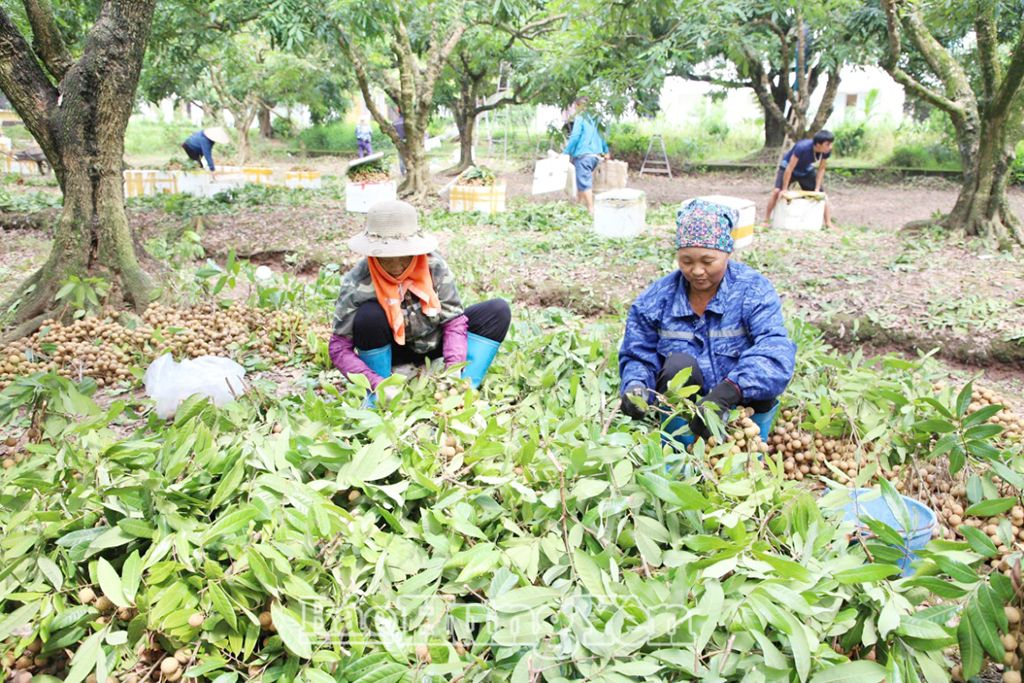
{"x": 706, "y": 224}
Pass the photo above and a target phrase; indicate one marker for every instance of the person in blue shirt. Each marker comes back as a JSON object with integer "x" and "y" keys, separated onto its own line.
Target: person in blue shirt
{"x": 585, "y": 148}
{"x": 719, "y": 318}
{"x": 798, "y": 166}
{"x": 200, "y": 144}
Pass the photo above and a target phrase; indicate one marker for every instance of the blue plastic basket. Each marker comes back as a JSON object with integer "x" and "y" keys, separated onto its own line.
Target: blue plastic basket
{"x": 922, "y": 521}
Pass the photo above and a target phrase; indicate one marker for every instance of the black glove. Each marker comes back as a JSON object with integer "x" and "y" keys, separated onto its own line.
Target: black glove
{"x": 726, "y": 396}
{"x": 631, "y": 409}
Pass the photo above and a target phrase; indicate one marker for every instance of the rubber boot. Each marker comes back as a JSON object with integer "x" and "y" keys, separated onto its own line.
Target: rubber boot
{"x": 764, "y": 421}
{"x": 378, "y": 360}
{"x": 480, "y": 353}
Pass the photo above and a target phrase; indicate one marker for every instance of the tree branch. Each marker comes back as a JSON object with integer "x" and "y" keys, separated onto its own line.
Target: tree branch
{"x": 988, "y": 44}
{"x": 891, "y": 65}
{"x": 359, "y": 66}
{"x": 1010, "y": 87}
{"x": 46, "y": 38}
{"x": 828, "y": 99}
{"x": 516, "y": 98}
{"x": 723, "y": 82}
{"x": 23, "y": 81}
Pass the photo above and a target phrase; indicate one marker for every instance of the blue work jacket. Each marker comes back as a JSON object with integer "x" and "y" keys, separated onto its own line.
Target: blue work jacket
{"x": 740, "y": 337}
{"x": 585, "y": 138}
{"x": 198, "y": 143}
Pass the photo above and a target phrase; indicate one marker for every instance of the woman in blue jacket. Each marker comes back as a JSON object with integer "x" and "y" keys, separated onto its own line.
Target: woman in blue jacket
{"x": 719, "y": 318}
{"x": 200, "y": 144}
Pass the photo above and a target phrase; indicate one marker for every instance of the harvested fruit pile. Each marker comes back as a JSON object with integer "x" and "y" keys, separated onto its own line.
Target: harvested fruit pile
{"x": 109, "y": 352}
{"x": 478, "y": 175}
{"x": 375, "y": 171}
{"x": 808, "y": 455}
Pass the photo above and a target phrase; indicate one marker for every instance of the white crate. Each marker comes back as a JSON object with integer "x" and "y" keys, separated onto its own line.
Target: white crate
{"x": 551, "y": 175}
{"x": 799, "y": 211}
{"x": 620, "y": 213}
{"x": 359, "y": 197}
{"x": 743, "y": 233}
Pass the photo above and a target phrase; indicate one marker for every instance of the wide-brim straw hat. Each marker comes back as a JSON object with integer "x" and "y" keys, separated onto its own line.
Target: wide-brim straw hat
{"x": 392, "y": 229}
{"x": 218, "y": 135}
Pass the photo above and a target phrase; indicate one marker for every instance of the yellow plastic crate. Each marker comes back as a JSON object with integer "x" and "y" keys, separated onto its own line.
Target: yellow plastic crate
{"x": 485, "y": 199}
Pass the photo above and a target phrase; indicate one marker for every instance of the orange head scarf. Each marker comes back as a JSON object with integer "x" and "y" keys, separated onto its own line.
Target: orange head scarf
{"x": 391, "y": 291}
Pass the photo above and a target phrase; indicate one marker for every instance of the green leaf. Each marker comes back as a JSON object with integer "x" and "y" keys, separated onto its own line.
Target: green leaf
{"x": 981, "y": 415}
{"x": 971, "y": 656}
{"x": 222, "y": 604}
{"x": 588, "y": 488}
{"x": 374, "y": 461}
{"x": 983, "y": 625}
{"x": 131, "y": 575}
{"x": 979, "y": 541}
{"x": 988, "y": 508}
{"x": 293, "y": 633}
{"x": 963, "y": 399}
{"x": 992, "y": 607}
{"x": 787, "y": 569}
{"x": 861, "y": 671}
{"x": 228, "y": 485}
{"x": 941, "y": 588}
{"x": 230, "y": 523}
{"x": 869, "y": 573}
{"x": 919, "y": 628}
{"x": 51, "y": 571}
{"x": 110, "y": 583}
{"x": 522, "y": 599}
{"x": 86, "y": 656}
{"x": 673, "y": 492}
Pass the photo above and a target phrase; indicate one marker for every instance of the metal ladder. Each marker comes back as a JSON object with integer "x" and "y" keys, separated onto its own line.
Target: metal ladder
{"x": 656, "y": 166}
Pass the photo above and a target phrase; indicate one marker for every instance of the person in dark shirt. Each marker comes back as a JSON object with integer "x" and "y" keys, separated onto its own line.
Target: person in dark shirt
{"x": 798, "y": 166}
{"x": 200, "y": 144}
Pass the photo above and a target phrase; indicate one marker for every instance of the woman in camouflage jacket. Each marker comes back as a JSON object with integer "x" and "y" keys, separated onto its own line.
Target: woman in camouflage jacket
{"x": 400, "y": 305}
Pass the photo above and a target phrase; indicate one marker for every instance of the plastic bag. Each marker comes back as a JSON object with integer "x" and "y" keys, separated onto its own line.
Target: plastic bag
{"x": 169, "y": 383}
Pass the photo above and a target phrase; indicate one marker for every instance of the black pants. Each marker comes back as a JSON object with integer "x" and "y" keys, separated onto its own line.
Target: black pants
{"x": 370, "y": 329}
{"x": 807, "y": 182}
{"x": 676, "y": 362}
{"x": 193, "y": 154}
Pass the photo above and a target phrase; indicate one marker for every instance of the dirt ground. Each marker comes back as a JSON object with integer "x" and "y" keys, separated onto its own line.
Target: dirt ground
{"x": 866, "y": 283}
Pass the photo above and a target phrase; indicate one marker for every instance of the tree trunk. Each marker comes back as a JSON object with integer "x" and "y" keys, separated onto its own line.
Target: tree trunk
{"x": 465, "y": 121}
{"x": 83, "y": 138}
{"x": 774, "y": 131}
{"x": 266, "y": 129}
{"x": 416, "y": 183}
{"x": 982, "y": 208}
{"x": 243, "y": 124}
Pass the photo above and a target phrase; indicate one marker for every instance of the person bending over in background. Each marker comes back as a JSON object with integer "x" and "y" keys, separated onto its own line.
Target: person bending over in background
{"x": 200, "y": 144}
{"x": 798, "y": 166}
{"x": 400, "y": 305}
{"x": 717, "y": 317}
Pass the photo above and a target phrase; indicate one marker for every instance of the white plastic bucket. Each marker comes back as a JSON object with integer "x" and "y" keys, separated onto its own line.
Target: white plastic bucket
{"x": 799, "y": 211}
{"x": 620, "y": 213}
{"x": 359, "y": 197}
